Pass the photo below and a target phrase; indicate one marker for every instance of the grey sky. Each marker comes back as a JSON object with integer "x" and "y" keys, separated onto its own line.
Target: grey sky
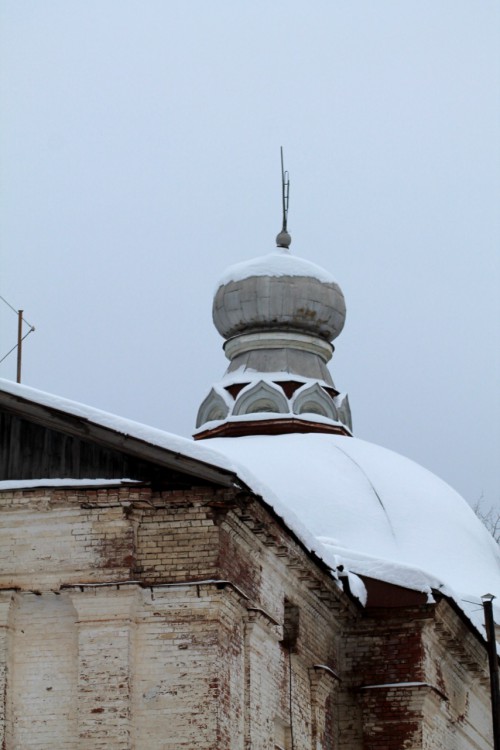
{"x": 140, "y": 157}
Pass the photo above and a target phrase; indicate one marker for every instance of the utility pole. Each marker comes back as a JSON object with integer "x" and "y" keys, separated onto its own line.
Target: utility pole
{"x": 489, "y": 622}
{"x": 20, "y": 338}
{"x": 19, "y": 343}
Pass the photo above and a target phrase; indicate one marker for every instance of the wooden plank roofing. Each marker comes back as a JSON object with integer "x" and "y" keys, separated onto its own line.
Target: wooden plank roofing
{"x": 51, "y": 441}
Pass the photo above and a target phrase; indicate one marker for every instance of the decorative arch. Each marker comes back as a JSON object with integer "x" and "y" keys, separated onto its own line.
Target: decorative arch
{"x": 314, "y": 400}
{"x": 213, "y": 408}
{"x": 344, "y": 410}
{"x": 262, "y": 397}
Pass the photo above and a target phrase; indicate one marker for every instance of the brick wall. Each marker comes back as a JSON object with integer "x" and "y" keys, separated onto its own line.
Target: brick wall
{"x": 134, "y": 619}
{"x": 42, "y": 672}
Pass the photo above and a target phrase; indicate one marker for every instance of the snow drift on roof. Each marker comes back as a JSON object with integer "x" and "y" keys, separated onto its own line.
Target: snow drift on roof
{"x": 366, "y": 502}
{"x": 277, "y": 263}
{"x": 348, "y": 501}
{"x": 152, "y": 435}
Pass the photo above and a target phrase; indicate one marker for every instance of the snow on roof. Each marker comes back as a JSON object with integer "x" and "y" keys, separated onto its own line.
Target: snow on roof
{"x": 152, "y": 435}
{"x": 382, "y": 514}
{"x": 184, "y": 446}
{"x": 28, "y": 484}
{"x": 350, "y": 502}
{"x": 278, "y": 263}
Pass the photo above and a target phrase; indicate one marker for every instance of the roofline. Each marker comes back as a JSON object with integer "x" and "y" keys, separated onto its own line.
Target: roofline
{"x": 87, "y": 429}
{"x": 439, "y": 595}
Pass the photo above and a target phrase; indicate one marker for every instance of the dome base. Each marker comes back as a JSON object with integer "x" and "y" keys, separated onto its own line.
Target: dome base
{"x": 270, "y": 427}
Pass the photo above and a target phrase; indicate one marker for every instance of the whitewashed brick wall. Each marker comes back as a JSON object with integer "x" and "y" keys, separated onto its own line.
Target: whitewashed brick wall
{"x": 117, "y": 632}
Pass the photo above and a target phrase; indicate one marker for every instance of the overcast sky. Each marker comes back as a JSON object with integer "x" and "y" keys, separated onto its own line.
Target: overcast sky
{"x": 140, "y": 157}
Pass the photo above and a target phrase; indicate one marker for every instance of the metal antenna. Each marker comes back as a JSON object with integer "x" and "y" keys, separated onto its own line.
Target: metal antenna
{"x": 283, "y": 239}
{"x": 285, "y": 184}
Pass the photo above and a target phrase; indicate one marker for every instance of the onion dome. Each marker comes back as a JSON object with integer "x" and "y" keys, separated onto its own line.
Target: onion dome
{"x": 278, "y": 315}
{"x": 279, "y": 291}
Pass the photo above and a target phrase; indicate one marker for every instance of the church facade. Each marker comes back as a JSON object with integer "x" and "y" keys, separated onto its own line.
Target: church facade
{"x": 159, "y": 593}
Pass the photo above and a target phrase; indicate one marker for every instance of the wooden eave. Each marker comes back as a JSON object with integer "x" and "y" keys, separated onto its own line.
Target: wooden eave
{"x": 84, "y": 428}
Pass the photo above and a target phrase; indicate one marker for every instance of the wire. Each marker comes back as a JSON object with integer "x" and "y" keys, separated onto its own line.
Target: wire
{"x": 8, "y": 304}
{"x": 16, "y": 312}
{"x": 16, "y": 345}
{"x": 23, "y": 320}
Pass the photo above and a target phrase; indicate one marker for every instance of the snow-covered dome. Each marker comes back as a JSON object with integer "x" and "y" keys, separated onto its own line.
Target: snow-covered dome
{"x": 380, "y": 513}
{"x": 279, "y": 291}
{"x": 278, "y": 314}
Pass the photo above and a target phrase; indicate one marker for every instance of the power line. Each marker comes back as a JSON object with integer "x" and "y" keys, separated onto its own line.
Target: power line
{"x": 16, "y": 312}
{"x": 20, "y": 337}
{"x": 16, "y": 345}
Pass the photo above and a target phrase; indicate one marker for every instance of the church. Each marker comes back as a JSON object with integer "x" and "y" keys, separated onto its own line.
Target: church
{"x": 274, "y": 583}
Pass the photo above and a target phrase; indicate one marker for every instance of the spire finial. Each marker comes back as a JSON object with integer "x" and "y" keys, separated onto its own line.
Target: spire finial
{"x": 283, "y": 239}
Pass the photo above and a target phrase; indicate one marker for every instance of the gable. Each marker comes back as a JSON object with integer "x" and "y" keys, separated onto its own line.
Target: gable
{"x": 32, "y": 451}
{"x": 41, "y": 440}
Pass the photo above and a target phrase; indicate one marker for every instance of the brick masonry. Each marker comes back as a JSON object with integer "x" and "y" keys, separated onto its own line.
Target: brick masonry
{"x": 135, "y": 619}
